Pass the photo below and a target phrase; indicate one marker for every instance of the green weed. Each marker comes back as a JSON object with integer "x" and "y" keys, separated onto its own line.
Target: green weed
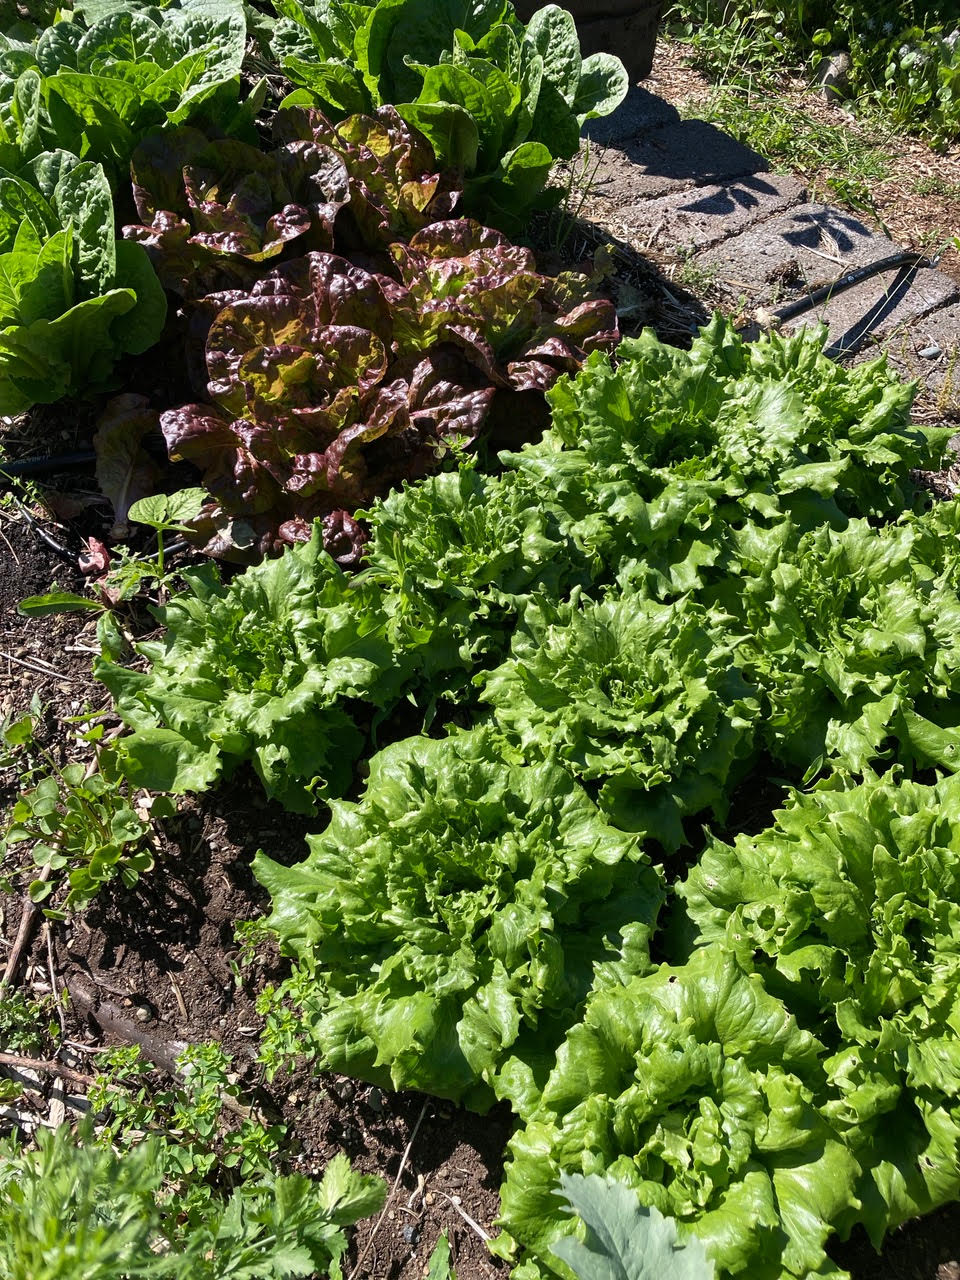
{"x": 80, "y": 821}
{"x": 904, "y": 61}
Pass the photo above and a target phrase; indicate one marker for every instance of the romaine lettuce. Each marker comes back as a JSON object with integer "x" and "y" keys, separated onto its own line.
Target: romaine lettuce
{"x": 500, "y": 102}
{"x": 72, "y": 298}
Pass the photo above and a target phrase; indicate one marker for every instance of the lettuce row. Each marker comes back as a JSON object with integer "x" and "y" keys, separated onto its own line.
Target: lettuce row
{"x": 448, "y": 925}
{"x": 800, "y": 1072}
{"x": 500, "y": 102}
{"x": 73, "y": 299}
{"x": 462, "y": 566}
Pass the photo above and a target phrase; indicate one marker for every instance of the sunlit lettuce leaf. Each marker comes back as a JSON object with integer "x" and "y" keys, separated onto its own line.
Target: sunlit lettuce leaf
{"x": 266, "y": 669}
{"x": 848, "y": 908}
{"x": 695, "y": 1088}
{"x": 451, "y": 920}
{"x": 644, "y": 700}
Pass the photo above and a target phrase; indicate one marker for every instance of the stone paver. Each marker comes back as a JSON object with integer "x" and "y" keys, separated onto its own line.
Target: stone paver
{"x": 812, "y": 245}
{"x": 696, "y": 219}
{"x": 803, "y": 249}
{"x": 878, "y": 307}
{"x": 683, "y": 186}
{"x": 639, "y": 112}
{"x": 691, "y": 153}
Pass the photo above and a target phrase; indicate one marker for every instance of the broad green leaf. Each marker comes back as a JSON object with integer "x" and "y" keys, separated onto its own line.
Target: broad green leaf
{"x": 450, "y": 129}
{"x": 123, "y": 37}
{"x": 603, "y": 86}
{"x": 625, "y": 1239}
{"x": 48, "y": 168}
{"x": 19, "y": 202}
{"x": 57, "y": 48}
{"x": 163, "y": 760}
{"x": 142, "y": 326}
{"x": 439, "y": 1267}
{"x": 552, "y": 32}
{"x": 27, "y": 105}
{"x": 168, "y": 510}
{"x": 335, "y": 83}
{"x": 487, "y": 107}
{"x": 82, "y": 196}
{"x": 56, "y": 602}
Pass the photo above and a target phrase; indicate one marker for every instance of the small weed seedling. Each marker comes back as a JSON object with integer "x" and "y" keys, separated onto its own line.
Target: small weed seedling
{"x": 80, "y": 821}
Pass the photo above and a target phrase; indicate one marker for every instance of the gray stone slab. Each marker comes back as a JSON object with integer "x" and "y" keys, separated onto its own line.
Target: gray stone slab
{"x": 639, "y": 112}
{"x": 878, "y": 307}
{"x": 781, "y": 259}
{"x": 694, "y": 220}
{"x": 657, "y": 162}
{"x": 928, "y": 350}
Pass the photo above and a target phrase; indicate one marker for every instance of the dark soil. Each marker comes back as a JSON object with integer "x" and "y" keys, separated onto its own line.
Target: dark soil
{"x": 162, "y": 951}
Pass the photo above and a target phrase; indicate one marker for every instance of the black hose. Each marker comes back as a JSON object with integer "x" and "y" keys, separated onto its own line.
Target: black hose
{"x": 25, "y": 468}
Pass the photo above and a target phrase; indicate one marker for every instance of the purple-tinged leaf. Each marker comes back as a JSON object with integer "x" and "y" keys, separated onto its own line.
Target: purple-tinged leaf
{"x": 125, "y": 472}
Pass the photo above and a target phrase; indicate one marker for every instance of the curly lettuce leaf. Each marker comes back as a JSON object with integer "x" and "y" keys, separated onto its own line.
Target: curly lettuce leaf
{"x": 447, "y": 926}
{"x": 694, "y": 1087}
{"x": 641, "y": 698}
{"x": 263, "y": 669}
{"x": 847, "y": 907}
{"x": 852, "y": 639}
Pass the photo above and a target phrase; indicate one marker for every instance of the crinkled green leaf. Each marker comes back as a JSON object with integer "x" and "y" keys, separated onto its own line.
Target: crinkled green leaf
{"x": 454, "y": 916}
{"x": 641, "y": 698}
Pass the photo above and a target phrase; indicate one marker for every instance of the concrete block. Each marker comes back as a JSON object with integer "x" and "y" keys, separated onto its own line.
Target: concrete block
{"x": 676, "y": 157}
{"x": 878, "y": 307}
{"x": 697, "y": 219}
{"x": 639, "y": 112}
{"x": 793, "y": 254}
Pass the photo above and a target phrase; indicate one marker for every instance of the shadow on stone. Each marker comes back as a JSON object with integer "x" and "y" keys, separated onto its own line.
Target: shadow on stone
{"x": 639, "y": 111}
{"x": 745, "y": 193}
{"x": 815, "y": 224}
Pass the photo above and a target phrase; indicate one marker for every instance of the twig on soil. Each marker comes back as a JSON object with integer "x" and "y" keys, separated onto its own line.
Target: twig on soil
{"x": 393, "y": 1191}
{"x": 18, "y": 952}
{"x": 10, "y": 548}
{"x": 54, "y": 987}
{"x": 178, "y": 996}
{"x": 39, "y": 667}
{"x": 471, "y": 1222}
{"x": 50, "y": 1066}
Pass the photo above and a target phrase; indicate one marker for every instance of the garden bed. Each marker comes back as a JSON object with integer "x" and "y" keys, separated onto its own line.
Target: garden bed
{"x": 158, "y": 963}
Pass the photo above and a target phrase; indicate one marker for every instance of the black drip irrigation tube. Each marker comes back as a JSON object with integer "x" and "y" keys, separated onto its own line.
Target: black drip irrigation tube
{"x": 906, "y": 263}
{"x": 28, "y": 468}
